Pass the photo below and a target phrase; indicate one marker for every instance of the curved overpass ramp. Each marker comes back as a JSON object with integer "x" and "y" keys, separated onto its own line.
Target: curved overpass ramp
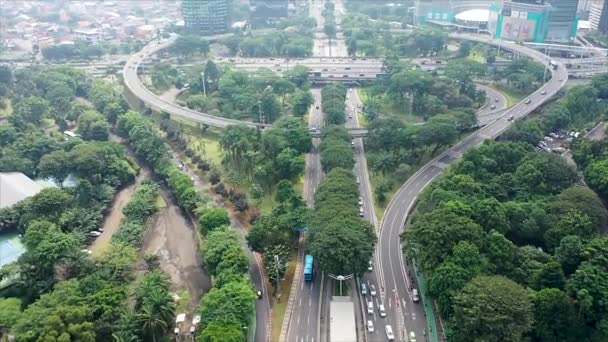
{"x": 137, "y": 88}
{"x": 389, "y": 258}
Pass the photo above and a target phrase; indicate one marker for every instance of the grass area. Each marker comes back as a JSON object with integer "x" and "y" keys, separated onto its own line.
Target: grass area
{"x": 208, "y": 146}
{"x": 362, "y": 119}
{"x": 279, "y": 306}
{"x": 268, "y": 202}
{"x": 512, "y": 97}
{"x": 183, "y": 301}
{"x": 8, "y": 110}
{"x": 160, "y": 202}
{"x": 391, "y": 110}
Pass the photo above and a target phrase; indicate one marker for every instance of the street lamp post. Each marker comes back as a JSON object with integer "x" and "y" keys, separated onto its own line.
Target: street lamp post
{"x": 276, "y": 263}
{"x": 341, "y": 278}
{"x": 203, "y": 79}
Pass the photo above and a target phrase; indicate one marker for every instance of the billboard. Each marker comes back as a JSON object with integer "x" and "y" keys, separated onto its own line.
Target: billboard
{"x": 521, "y": 28}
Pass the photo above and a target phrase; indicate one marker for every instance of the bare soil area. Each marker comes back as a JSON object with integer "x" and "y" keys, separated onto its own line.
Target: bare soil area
{"x": 112, "y": 220}
{"x": 171, "y": 236}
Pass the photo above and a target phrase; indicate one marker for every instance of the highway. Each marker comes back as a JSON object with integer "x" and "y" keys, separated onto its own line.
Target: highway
{"x": 136, "y": 87}
{"x": 304, "y": 320}
{"x": 390, "y": 260}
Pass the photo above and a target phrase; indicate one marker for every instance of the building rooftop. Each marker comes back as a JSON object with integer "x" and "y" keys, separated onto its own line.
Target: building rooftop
{"x": 15, "y": 187}
{"x": 476, "y": 15}
{"x": 342, "y": 320}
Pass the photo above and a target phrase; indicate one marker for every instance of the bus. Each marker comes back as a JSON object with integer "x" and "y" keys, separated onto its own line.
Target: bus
{"x": 308, "y": 268}
{"x": 553, "y": 64}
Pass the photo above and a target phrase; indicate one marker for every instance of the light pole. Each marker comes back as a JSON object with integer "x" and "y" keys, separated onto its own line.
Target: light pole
{"x": 276, "y": 263}
{"x": 341, "y": 278}
{"x": 203, "y": 79}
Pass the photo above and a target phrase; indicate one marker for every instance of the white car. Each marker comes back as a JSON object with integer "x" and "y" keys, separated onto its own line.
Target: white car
{"x": 372, "y": 290}
{"x": 370, "y": 267}
{"x": 370, "y": 326}
{"x": 360, "y": 201}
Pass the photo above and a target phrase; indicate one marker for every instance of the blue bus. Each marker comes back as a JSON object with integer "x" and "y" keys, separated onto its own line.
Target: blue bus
{"x": 308, "y": 268}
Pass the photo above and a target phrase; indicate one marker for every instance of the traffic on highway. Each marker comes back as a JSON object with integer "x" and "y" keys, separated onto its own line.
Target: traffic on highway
{"x": 387, "y": 297}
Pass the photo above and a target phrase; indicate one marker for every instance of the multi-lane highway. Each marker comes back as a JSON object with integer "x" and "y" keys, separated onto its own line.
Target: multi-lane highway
{"x": 390, "y": 259}
{"x": 304, "y": 318}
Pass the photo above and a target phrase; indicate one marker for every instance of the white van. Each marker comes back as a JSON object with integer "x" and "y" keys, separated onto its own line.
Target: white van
{"x": 389, "y": 333}
{"x": 381, "y": 310}
{"x": 412, "y": 336}
{"x": 370, "y": 308}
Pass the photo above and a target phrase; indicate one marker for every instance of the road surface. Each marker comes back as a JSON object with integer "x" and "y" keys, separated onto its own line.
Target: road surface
{"x": 394, "y": 270}
{"x": 304, "y": 321}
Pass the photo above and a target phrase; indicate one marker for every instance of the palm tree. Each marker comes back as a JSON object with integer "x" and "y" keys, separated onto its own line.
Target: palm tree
{"x": 162, "y": 303}
{"x": 152, "y": 325}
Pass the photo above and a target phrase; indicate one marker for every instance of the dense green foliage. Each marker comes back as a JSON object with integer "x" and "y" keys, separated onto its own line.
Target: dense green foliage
{"x": 333, "y": 96}
{"x": 230, "y": 303}
{"x": 503, "y": 220}
{"x": 336, "y": 150}
{"x": 141, "y": 206}
{"x": 238, "y": 94}
{"x": 339, "y": 240}
{"x": 66, "y": 295}
{"x": 149, "y": 146}
{"x": 293, "y": 40}
{"x": 266, "y": 157}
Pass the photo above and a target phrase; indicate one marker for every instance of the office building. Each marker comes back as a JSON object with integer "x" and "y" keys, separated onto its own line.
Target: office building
{"x": 269, "y": 8}
{"x": 598, "y": 15}
{"x": 520, "y": 20}
{"x": 207, "y": 17}
{"x": 563, "y": 20}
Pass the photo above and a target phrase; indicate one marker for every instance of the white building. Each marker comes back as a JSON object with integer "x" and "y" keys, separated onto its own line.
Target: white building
{"x": 90, "y": 35}
{"x": 15, "y": 187}
{"x": 598, "y": 15}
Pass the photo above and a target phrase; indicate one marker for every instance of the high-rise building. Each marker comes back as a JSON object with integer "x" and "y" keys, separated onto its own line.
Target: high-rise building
{"x": 563, "y": 20}
{"x": 598, "y": 15}
{"x": 207, "y": 16}
{"x": 269, "y": 8}
{"x": 520, "y": 20}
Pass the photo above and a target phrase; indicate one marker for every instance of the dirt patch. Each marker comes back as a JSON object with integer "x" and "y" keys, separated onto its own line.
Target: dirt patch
{"x": 113, "y": 219}
{"x": 171, "y": 236}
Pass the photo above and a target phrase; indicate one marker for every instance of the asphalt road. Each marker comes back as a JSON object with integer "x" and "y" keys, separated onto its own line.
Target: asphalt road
{"x": 403, "y": 313}
{"x": 304, "y": 325}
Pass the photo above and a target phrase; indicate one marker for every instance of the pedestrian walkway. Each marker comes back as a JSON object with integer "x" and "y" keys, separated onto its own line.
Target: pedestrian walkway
{"x": 431, "y": 321}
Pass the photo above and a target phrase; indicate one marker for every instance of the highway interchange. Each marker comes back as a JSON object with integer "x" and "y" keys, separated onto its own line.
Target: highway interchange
{"x": 391, "y": 271}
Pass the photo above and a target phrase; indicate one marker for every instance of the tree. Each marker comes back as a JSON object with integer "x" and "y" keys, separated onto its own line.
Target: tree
{"x": 56, "y": 164}
{"x": 60, "y": 315}
{"x": 229, "y": 304}
{"x": 222, "y": 332}
{"x": 301, "y": 100}
{"x": 342, "y": 246}
{"x": 551, "y": 276}
{"x": 10, "y": 312}
{"x": 298, "y": 75}
{"x": 437, "y": 132}
{"x": 554, "y": 316}
{"x": 596, "y": 175}
{"x": 432, "y": 236}
{"x": 213, "y": 218}
{"x": 569, "y": 253}
{"x": 222, "y": 253}
{"x": 491, "y": 308}
{"x": 93, "y": 126}
{"x": 30, "y": 110}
